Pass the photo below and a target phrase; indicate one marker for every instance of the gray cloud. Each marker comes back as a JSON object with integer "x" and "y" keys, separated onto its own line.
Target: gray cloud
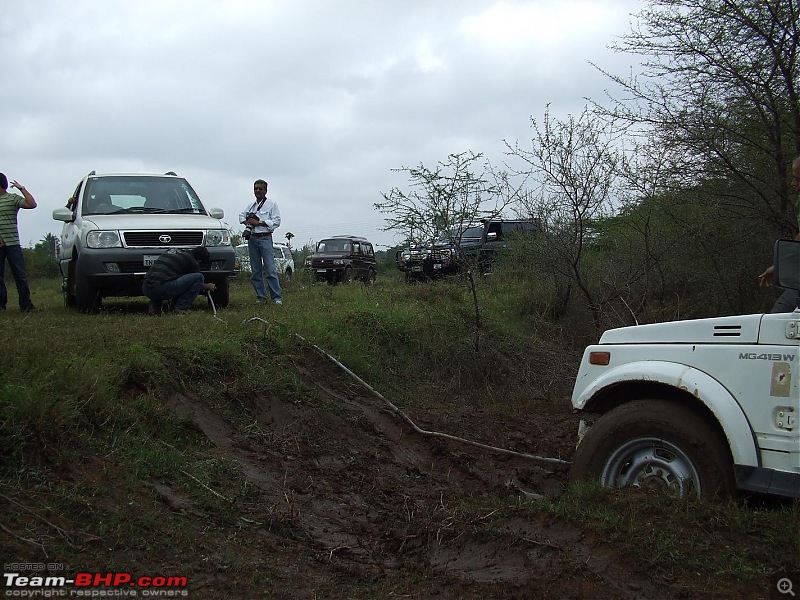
{"x": 321, "y": 98}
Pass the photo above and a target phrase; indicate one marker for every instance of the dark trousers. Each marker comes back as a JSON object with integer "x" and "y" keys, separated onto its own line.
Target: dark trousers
{"x": 182, "y": 291}
{"x": 13, "y": 254}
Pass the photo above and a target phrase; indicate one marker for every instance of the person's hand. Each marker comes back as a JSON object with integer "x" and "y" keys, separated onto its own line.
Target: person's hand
{"x": 767, "y": 278}
{"x": 252, "y": 221}
{"x": 210, "y": 287}
{"x": 18, "y": 185}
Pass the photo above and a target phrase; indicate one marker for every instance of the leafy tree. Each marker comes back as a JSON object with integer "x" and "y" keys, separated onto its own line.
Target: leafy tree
{"x": 572, "y": 168}
{"x": 719, "y": 97}
{"x": 442, "y": 200}
{"x": 42, "y": 259}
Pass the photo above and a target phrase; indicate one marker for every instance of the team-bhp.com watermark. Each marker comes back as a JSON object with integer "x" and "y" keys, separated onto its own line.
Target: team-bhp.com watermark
{"x": 21, "y": 582}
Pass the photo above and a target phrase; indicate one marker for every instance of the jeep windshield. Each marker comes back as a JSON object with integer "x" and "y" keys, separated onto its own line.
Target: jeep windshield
{"x": 120, "y": 194}
{"x": 454, "y": 237}
{"x": 334, "y": 246}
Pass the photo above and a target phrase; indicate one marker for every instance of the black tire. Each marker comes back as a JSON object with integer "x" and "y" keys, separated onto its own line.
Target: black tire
{"x": 222, "y": 295}
{"x": 656, "y": 445}
{"x": 370, "y": 278}
{"x": 87, "y": 295}
{"x": 347, "y": 275}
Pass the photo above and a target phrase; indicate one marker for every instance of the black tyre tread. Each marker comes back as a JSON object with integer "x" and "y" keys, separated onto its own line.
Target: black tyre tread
{"x": 671, "y": 420}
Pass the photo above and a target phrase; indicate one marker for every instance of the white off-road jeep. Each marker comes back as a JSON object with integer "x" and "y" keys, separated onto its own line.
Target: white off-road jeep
{"x": 701, "y": 407}
{"x": 116, "y": 226}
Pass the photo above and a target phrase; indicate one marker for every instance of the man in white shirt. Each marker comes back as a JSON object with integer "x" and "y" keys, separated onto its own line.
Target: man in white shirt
{"x": 261, "y": 218}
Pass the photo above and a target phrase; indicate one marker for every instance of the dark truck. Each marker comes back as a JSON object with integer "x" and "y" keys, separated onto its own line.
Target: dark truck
{"x": 477, "y": 245}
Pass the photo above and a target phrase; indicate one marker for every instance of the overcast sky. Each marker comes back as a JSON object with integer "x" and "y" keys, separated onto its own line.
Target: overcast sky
{"x": 322, "y": 98}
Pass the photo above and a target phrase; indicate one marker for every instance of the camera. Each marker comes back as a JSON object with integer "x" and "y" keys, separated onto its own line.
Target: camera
{"x": 248, "y": 229}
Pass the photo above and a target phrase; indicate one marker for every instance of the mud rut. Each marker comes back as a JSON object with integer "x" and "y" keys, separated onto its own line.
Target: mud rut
{"x": 347, "y": 487}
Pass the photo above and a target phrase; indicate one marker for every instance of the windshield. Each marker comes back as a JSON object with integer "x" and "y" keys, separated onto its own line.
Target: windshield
{"x": 140, "y": 194}
{"x": 334, "y": 246}
{"x": 470, "y": 233}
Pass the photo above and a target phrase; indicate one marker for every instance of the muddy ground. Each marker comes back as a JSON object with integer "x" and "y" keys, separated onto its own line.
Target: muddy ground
{"x": 345, "y": 500}
{"x": 353, "y": 502}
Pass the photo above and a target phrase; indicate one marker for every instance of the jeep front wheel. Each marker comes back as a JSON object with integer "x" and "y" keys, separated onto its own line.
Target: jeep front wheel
{"x": 347, "y": 275}
{"x": 656, "y": 445}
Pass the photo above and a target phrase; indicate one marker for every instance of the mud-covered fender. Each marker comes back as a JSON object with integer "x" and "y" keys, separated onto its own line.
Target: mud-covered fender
{"x": 701, "y": 386}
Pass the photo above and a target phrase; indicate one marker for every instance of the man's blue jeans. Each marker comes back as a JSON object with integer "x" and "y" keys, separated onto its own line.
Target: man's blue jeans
{"x": 262, "y": 261}
{"x": 17, "y": 263}
{"x": 182, "y": 290}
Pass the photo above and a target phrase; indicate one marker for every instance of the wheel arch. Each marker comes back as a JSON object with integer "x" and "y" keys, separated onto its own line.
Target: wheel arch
{"x": 681, "y": 384}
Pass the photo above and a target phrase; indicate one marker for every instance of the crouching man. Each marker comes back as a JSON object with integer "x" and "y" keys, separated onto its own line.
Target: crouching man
{"x": 176, "y": 276}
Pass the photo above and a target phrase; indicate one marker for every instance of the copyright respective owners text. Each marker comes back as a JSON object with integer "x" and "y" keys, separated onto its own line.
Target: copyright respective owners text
{"x": 61, "y": 580}
{"x": 785, "y": 585}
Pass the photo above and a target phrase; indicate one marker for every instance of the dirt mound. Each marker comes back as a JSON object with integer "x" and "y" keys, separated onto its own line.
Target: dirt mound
{"x": 354, "y": 501}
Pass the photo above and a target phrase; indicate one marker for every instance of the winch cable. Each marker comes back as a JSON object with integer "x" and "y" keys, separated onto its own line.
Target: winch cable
{"x": 213, "y": 307}
{"x": 542, "y": 459}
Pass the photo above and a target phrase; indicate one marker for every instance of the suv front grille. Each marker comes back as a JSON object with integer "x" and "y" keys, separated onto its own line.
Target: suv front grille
{"x": 152, "y": 238}
{"x": 324, "y": 263}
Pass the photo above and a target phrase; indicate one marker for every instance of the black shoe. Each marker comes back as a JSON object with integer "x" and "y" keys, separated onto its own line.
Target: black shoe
{"x": 29, "y": 308}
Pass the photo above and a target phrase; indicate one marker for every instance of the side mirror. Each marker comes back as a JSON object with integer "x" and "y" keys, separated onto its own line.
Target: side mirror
{"x": 491, "y": 236}
{"x": 63, "y": 214}
{"x": 787, "y": 264}
{"x": 216, "y": 213}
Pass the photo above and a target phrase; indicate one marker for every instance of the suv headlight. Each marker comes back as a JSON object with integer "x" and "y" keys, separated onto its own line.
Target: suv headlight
{"x": 339, "y": 261}
{"x": 103, "y": 239}
{"x": 218, "y": 237}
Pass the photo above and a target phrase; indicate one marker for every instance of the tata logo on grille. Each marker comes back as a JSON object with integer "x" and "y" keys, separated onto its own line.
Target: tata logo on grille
{"x": 165, "y": 239}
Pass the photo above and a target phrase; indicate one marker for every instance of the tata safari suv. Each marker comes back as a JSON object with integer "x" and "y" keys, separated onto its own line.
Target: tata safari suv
{"x": 116, "y": 226}
{"x": 343, "y": 258}
{"x": 696, "y": 408}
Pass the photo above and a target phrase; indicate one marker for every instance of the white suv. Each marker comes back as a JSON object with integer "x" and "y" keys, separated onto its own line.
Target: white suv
{"x": 116, "y": 226}
{"x": 284, "y": 260}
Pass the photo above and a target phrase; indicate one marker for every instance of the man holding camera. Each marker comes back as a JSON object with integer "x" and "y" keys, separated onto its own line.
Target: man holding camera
{"x": 260, "y": 219}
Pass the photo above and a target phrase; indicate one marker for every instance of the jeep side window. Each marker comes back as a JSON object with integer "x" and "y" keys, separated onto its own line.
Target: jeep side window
{"x": 356, "y": 248}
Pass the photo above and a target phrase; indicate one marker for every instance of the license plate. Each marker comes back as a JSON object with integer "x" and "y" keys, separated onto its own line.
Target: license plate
{"x": 149, "y": 259}
{"x": 416, "y": 269}
{"x": 322, "y": 270}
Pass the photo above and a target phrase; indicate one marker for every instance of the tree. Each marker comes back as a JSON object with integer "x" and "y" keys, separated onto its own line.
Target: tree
{"x": 289, "y": 236}
{"x": 573, "y": 167}
{"x": 719, "y": 96}
{"x": 442, "y": 200}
